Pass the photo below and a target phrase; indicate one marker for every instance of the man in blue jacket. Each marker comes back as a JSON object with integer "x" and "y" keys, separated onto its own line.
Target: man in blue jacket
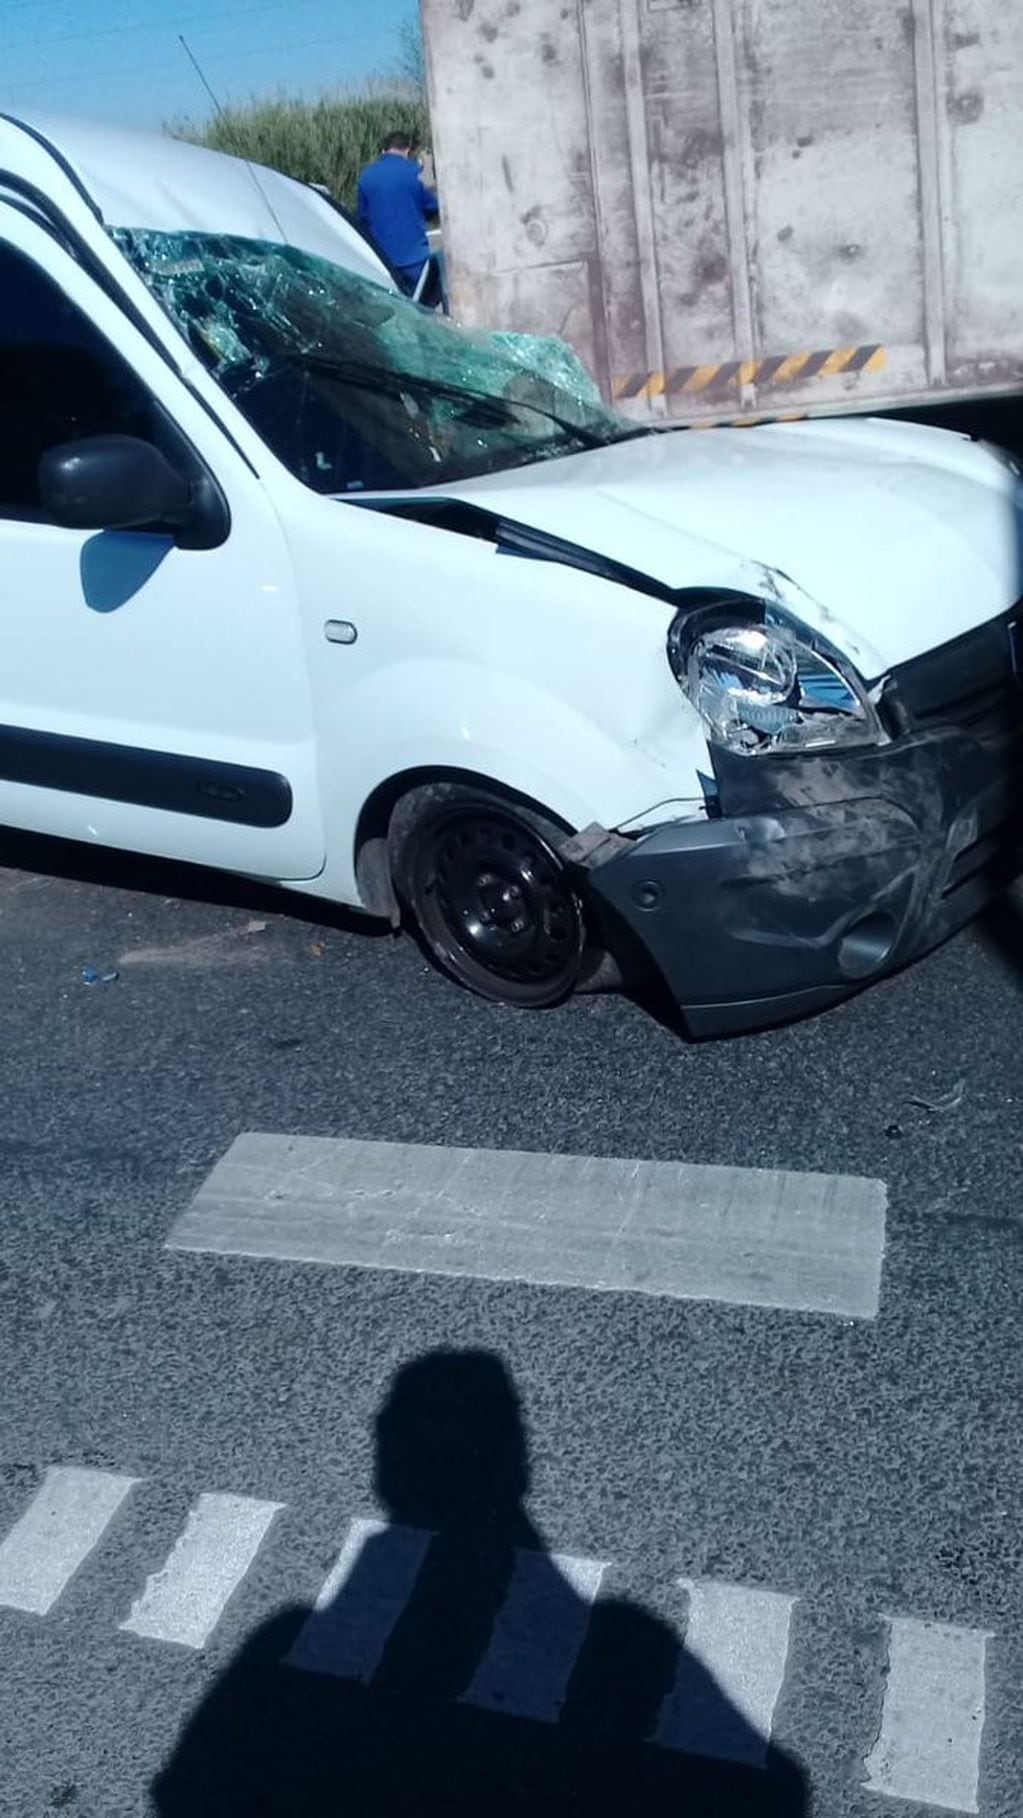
{"x": 394, "y": 204}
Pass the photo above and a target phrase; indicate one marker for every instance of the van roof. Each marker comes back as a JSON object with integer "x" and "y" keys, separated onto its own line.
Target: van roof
{"x": 150, "y": 180}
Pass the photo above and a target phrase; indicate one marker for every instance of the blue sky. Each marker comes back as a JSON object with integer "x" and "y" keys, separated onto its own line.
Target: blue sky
{"x": 121, "y": 59}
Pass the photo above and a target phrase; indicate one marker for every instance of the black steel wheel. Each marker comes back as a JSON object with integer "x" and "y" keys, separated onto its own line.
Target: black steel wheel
{"x": 492, "y": 901}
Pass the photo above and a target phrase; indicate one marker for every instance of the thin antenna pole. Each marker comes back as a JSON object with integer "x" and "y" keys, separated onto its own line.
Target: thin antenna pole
{"x": 194, "y": 61}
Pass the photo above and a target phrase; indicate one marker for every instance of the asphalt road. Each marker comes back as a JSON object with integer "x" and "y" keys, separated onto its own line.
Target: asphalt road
{"x": 867, "y": 1469}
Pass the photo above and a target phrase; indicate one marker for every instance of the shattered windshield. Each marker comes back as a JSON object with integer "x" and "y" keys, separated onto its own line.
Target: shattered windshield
{"x": 356, "y": 389}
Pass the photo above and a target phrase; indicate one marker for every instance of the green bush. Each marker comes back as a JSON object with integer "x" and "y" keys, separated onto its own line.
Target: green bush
{"x": 326, "y": 141}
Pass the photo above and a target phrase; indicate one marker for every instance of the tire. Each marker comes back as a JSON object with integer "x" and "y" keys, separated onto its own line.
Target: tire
{"x": 492, "y": 902}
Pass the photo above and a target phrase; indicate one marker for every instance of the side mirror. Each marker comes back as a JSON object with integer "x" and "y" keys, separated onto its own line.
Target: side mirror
{"x": 122, "y": 483}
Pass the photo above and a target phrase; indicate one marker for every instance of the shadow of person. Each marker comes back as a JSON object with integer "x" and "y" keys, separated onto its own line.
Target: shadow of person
{"x": 454, "y": 1668}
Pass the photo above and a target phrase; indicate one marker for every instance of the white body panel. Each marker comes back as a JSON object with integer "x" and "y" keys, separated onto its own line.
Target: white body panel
{"x": 142, "y": 180}
{"x": 471, "y": 661}
{"x": 547, "y": 680}
{"x": 889, "y": 538}
{"x": 125, "y": 639}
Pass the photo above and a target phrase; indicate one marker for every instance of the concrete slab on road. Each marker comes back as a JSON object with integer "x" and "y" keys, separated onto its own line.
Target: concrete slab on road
{"x": 745, "y": 1236}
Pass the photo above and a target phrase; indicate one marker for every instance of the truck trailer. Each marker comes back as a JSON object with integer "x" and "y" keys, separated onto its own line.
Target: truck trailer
{"x": 734, "y": 207}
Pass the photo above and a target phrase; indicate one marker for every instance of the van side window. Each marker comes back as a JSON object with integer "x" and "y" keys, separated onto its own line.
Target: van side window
{"x": 59, "y": 380}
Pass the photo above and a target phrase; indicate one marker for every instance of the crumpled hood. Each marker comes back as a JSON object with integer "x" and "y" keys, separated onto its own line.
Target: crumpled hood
{"x": 889, "y": 538}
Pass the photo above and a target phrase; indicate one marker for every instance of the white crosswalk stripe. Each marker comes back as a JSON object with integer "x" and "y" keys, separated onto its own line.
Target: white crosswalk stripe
{"x": 732, "y": 1667}
{"x": 537, "y": 1636}
{"x": 746, "y": 1236}
{"x": 741, "y": 1637}
{"x": 356, "y": 1610}
{"x": 65, "y": 1520}
{"x": 185, "y": 1599}
{"x": 933, "y": 1716}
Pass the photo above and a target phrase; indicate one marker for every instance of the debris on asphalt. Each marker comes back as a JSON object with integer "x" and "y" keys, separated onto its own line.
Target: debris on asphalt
{"x": 90, "y": 976}
{"x": 254, "y": 928}
{"x": 199, "y": 952}
{"x": 893, "y": 1130}
{"x": 946, "y": 1101}
{"x": 317, "y": 949}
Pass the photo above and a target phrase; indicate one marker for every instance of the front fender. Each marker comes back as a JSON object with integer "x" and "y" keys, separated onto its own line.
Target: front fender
{"x": 447, "y": 715}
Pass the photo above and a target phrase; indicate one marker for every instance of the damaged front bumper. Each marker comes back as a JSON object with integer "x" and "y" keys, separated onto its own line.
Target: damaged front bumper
{"x": 820, "y": 873}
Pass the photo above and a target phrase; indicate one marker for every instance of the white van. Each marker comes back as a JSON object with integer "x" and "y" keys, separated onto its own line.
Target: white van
{"x": 303, "y": 582}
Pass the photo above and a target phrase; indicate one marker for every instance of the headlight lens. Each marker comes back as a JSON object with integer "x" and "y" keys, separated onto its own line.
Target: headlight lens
{"x": 761, "y": 688}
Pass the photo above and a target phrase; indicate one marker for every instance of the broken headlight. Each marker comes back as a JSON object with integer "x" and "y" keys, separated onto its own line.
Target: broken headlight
{"x": 764, "y": 687}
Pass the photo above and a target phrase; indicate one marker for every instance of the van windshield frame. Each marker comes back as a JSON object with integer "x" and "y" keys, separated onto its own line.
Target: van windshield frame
{"x": 355, "y": 387}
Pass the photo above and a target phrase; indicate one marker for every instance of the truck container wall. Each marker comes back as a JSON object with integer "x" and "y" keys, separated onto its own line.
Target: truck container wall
{"x": 733, "y": 206}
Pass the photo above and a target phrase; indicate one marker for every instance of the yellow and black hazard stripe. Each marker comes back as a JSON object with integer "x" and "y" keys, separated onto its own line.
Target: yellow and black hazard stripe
{"x": 777, "y": 369}
{"x": 754, "y": 422}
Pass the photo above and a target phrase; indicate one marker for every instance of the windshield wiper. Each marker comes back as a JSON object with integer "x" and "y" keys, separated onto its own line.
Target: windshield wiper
{"x": 396, "y": 379}
{"x": 590, "y": 438}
